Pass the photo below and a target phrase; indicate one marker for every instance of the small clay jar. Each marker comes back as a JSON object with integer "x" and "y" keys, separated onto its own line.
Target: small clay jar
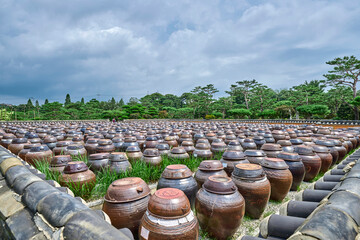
{"x": 151, "y": 156}
{"x": 253, "y": 185}
{"x": 331, "y": 146}
{"x": 296, "y": 167}
{"x": 179, "y": 176}
{"x": 129, "y": 141}
{"x": 59, "y": 162}
{"x": 76, "y": 151}
{"x": 163, "y": 148}
{"x": 248, "y": 143}
{"x": 77, "y": 175}
{"x": 119, "y": 162}
{"x": 134, "y": 153}
{"x": 325, "y": 156}
{"x": 151, "y": 142}
{"x": 7, "y": 139}
{"x": 188, "y": 146}
{"x": 91, "y": 145}
{"x": 271, "y": 149}
{"x": 178, "y": 153}
{"x": 17, "y": 145}
{"x": 26, "y": 149}
{"x": 202, "y": 151}
{"x": 98, "y": 161}
{"x": 117, "y": 142}
{"x": 259, "y": 141}
{"x": 231, "y": 158}
{"x": 41, "y": 153}
{"x": 218, "y": 146}
{"x": 286, "y": 146}
{"x": 212, "y": 136}
{"x": 278, "y": 135}
{"x": 311, "y": 161}
{"x": 61, "y": 147}
{"x": 105, "y": 146}
{"x": 209, "y": 168}
{"x": 279, "y": 176}
{"x": 125, "y": 203}
{"x": 220, "y": 207}
{"x": 235, "y": 146}
{"x": 229, "y": 137}
{"x": 255, "y": 156}
{"x": 50, "y": 141}
{"x": 171, "y": 141}
{"x": 169, "y": 217}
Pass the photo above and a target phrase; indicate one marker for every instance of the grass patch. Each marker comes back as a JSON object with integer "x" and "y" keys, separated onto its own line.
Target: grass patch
{"x": 268, "y": 213}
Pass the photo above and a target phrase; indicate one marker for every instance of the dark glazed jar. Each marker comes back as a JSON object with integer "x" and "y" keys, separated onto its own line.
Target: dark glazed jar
{"x": 271, "y": 149}
{"x": 98, "y": 161}
{"x": 151, "y": 142}
{"x": 134, "y": 153}
{"x": 255, "y": 156}
{"x": 296, "y": 167}
{"x": 151, "y": 156}
{"x": 331, "y": 146}
{"x": 17, "y": 145}
{"x": 41, "y": 153}
{"x": 259, "y": 141}
{"x": 129, "y": 141}
{"x": 231, "y": 158}
{"x": 169, "y": 217}
{"x": 119, "y": 162}
{"x": 61, "y": 147}
{"x": 125, "y": 203}
{"x": 188, "y": 146}
{"x": 325, "y": 156}
{"x": 76, "y": 151}
{"x": 209, "y": 168}
{"x": 341, "y": 150}
{"x": 248, "y": 144}
{"x": 7, "y": 139}
{"x": 26, "y": 149}
{"x": 218, "y": 145}
{"x": 311, "y": 161}
{"x": 179, "y": 176}
{"x": 59, "y": 162}
{"x": 235, "y": 146}
{"x": 118, "y": 142}
{"x": 171, "y": 141}
{"x": 91, "y": 145}
{"x": 219, "y": 207}
{"x": 105, "y": 146}
{"x": 77, "y": 174}
{"x": 286, "y": 145}
{"x": 164, "y": 148}
{"x": 253, "y": 185}
{"x": 202, "y": 151}
{"x": 50, "y": 141}
{"x": 279, "y": 176}
{"x": 178, "y": 153}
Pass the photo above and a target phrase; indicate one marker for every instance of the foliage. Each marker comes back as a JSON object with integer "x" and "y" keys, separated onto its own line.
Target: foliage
{"x": 239, "y": 113}
{"x": 210, "y": 116}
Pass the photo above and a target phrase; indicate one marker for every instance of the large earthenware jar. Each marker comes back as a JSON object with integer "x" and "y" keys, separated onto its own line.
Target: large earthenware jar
{"x": 253, "y": 185}
{"x": 78, "y": 175}
{"x": 331, "y": 146}
{"x": 126, "y": 201}
{"x": 325, "y": 156}
{"x": 151, "y": 142}
{"x": 41, "y": 153}
{"x": 218, "y": 145}
{"x": 178, "y": 153}
{"x": 134, "y": 153}
{"x": 271, "y": 149}
{"x": 248, "y": 143}
{"x": 129, "y": 141}
{"x": 118, "y": 142}
{"x": 255, "y": 156}
{"x": 311, "y": 161}
{"x": 231, "y": 158}
{"x": 341, "y": 150}
{"x": 50, "y": 141}
{"x": 202, "y": 151}
{"x": 26, "y": 149}
{"x": 59, "y": 162}
{"x": 171, "y": 141}
{"x": 164, "y": 148}
{"x": 179, "y": 176}
{"x": 259, "y": 141}
{"x": 169, "y": 217}
{"x": 188, "y": 146}
{"x": 296, "y": 167}
{"x": 219, "y": 207}
{"x": 235, "y": 146}
{"x": 61, "y": 147}
{"x": 7, "y": 139}
{"x": 286, "y": 145}
{"x": 105, "y": 146}
{"x": 98, "y": 161}
{"x": 17, "y": 145}
{"x": 91, "y": 145}
{"x": 119, "y": 162}
{"x": 279, "y": 176}
{"x": 76, "y": 151}
{"x": 151, "y": 156}
{"x": 278, "y": 135}
{"x": 209, "y": 168}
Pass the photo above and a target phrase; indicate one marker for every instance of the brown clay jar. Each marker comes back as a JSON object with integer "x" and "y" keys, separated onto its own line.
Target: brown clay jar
{"x": 98, "y": 161}
{"x": 188, "y": 146}
{"x": 231, "y": 158}
{"x": 220, "y": 207}
{"x": 253, "y": 185}
{"x": 134, "y": 153}
{"x": 105, "y": 146}
{"x": 163, "y": 148}
{"x": 255, "y": 156}
{"x": 41, "y": 153}
{"x": 325, "y": 156}
{"x": 169, "y": 217}
{"x": 341, "y": 150}
{"x": 50, "y": 141}
{"x": 331, "y": 146}
{"x": 248, "y": 143}
{"x": 91, "y": 145}
{"x": 286, "y": 145}
{"x": 61, "y": 147}
{"x": 151, "y": 156}
{"x": 59, "y": 162}
{"x": 311, "y": 161}
{"x": 235, "y": 146}
{"x": 26, "y": 149}
{"x": 7, "y": 139}
{"x": 78, "y": 175}
{"x": 75, "y": 151}
{"x": 271, "y": 149}
{"x": 151, "y": 142}
{"x": 279, "y": 176}
{"x": 218, "y": 145}
{"x": 202, "y": 150}
{"x": 125, "y": 203}
{"x": 119, "y": 162}
{"x": 178, "y": 153}
{"x": 17, "y": 145}
{"x": 296, "y": 167}
{"x": 209, "y": 168}
{"x": 171, "y": 141}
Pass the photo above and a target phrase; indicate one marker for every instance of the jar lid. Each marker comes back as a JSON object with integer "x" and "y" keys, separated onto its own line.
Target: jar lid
{"x": 255, "y": 153}
{"x": 74, "y": 147}
{"x": 284, "y": 143}
{"x": 187, "y": 143}
{"x": 151, "y": 138}
{"x": 60, "y": 160}
{"x": 210, "y": 165}
{"x": 296, "y": 141}
{"x": 31, "y": 145}
{"x": 176, "y": 171}
{"x": 274, "y": 163}
{"x": 41, "y": 148}
{"x": 133, "y": 148}
{"x": 169, "y": 203}
{"x": 63, "y": 143}
{"x": 163, "y": 146}
{"x": 151, "y": 152}
{"x": 233, "y": 155}
{"x": 75, "y": 167}
{"x": 50, "y": 139}
{"x": 220, "y": 185}
{"x": 320, "y": 149}
{"x": 178, "y": 150}
{"x": 19, "y": 140}
{"x": 271, "y": 147}
{"x": 92, "y": 141}
{"x": 98, "y": 156}
{"x": 126, "y": 190}
{"x": 287, "y": 156}
{"x": 304, "y": 150}
{"x": 202, "y": 146}
{"x": 104, "y": 142}
{"x": 248, "y": 170}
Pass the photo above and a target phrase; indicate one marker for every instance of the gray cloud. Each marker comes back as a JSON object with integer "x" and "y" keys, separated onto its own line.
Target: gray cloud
{"x": 131, "y": 48}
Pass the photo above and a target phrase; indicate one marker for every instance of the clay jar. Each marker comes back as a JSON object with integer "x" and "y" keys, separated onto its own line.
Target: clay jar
{"x": 209, "y": 168}
{"x": 91, "y": 145}
{"x": 341, "y": 150}
{"x": 235, "y": 146}
{"x": 179, "y": 176}
{"x": 129, "y": 141}
{"x": 202, "y": 151}
{"x": 286, "y": 145}
{"x": 279, "y": 176}
{"x": 151, "y": 142}
{"x": 325, "y": 156}
{"x": 151, "y": 156}
{"x": 75, "y": 151}
{"x": 331, "y": 146}
{"x": 311, "y": 161}
{"x": 164, "y": 148}
{"x": 126, "y": 201}
{"x": 78, "y": 175}
{"x": 26, "y": 149}
{"x": 259, "y": 141}
{"x": 119, "y": 162}
{"x": 41, "y": 153}
{"x": 253, "y": 185}
{"x": 296, "y": 167}
{"x": 50, "y": 141}
{"x": 17, "y": 145}
{"x": 248, "y": 144}
{"x": 271, "y": 149}
{"x": 178, "y": 153}
{"x": 188, "y": 146}
{"x": 7, "y": 139}
{"x": 118, "y": 142}
{"x": 59, "y": 162}
{"x": 134, "y": 153}
{"x": 105, "y": 146}
{"x": 98, "y": 161}
{"x": 171, "y": 141}
{"x": 219, "y": 207}
{"x": 278, "y": 135}
{"x": 231, "y": 158}
{"x": 255, "y": 156}
{"x": 218, "y": 145}
{"x": 61, "y": 147}
{"x": 169, "y": 217}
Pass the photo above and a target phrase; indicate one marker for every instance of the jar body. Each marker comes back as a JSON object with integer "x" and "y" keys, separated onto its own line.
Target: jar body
{"x": 201, "y": 176}
{"x": 280, "y": 181}
{"x": 297, "y": 170}
{"x": 312, "y": 166}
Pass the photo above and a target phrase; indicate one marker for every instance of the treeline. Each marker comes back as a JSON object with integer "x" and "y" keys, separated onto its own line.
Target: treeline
{"x": 332, "y": 98}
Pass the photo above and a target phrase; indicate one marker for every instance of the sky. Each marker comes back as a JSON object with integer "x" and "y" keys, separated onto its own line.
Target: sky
{"x": 100, "y": 49}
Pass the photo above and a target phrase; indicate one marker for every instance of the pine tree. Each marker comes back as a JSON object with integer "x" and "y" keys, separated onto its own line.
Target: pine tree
{"x": 121, "y": 103}
{"x": 37, "y": 104}
{"x": 82, "y": 101}
{"x": 46, "y": 101}
{"x": 29, "y": 104}
{"x": 67, "y": 99}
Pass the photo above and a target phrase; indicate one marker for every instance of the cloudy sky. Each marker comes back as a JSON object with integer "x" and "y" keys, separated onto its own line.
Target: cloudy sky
{"x": 99, "y": 49}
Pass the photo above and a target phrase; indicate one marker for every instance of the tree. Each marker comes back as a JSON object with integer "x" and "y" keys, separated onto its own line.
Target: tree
{"x": 82, "y": 101}
{"x": 133, "y": 101}
{"x": 29, "y": 105}
{"x": 346, "y": 72}
{"x": 46, "y": 101}
{"x": 67, "y": 99}
{"x": 239, "y": 112}
{"x": 121, "y": 103}
{"x": 312, "y": 110}
{"x": 245, "y": 87}
{"x": 112, "y": 103}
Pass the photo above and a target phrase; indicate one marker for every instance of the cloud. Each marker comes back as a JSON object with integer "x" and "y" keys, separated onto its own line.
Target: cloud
{"x": 131, "y": 48}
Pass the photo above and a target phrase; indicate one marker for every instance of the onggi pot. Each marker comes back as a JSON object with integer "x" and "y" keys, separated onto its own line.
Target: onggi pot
{"x": 231, "y": 158}
{"x": 296, "y": 167}
{"x": 41, "y": 153}
{"x": 209, "y": 168}
{"x": 77, "y": 174}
